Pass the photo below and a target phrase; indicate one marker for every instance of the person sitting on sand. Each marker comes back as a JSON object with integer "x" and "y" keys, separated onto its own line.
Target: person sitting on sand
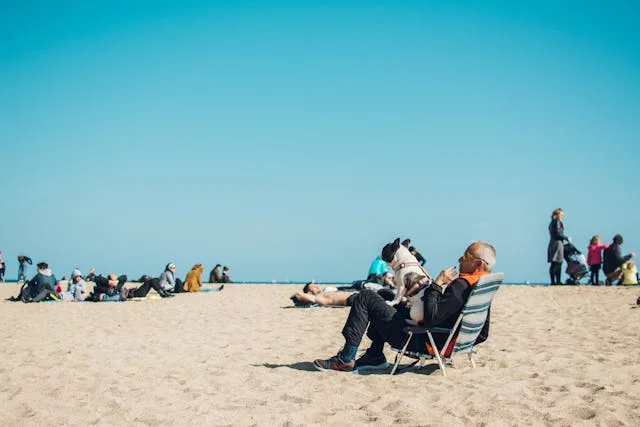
{"x": 76, "y": 289}
{"x": 225, "y": 275}
{"x": 193, "y": 281}
{"x": 41, "y": 287}
{"x": 148, "y": 283}
{"x": 612, "y": 260}
{"x": 168, "y": 280}
{"x": 92, "y": 275}
{"x": 443, "y": 302}
{"x": 377, "y": 270}
{"x": 629, "y": 273}
{"x": 109, "y": 288}
{"x": 216, "y": 274}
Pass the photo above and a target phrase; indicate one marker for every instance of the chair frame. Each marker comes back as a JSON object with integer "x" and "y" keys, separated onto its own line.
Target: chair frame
{"x": 487, "y": 284}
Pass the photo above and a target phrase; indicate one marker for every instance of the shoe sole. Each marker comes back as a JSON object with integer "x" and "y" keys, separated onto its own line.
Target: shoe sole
{"x": 382, "y": 366}
{"x": 322, "y": 369}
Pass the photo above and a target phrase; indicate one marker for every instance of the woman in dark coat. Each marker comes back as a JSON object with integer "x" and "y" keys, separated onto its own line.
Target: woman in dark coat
{"x": 555, "y": 250}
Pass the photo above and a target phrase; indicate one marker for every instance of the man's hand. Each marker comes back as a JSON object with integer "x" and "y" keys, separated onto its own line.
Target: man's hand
{"x": 446, "y": 276}
{"x": 633, "y": 254}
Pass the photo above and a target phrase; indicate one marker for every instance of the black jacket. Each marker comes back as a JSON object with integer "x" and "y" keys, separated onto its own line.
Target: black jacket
{"x": 442, "y": 309}
{"x": 612, "y": 258}
{"x": 556, "y": 230}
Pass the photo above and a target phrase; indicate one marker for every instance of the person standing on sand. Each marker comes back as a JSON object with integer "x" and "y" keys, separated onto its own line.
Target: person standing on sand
{"x": 594, "y": 258}
{"x": 2, "y": 268}
{"x": 22, "y": 267}
{"x": 555, "y": 250}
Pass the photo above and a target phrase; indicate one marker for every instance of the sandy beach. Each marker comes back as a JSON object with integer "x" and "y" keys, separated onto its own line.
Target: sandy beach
{"x": 555, "y": 356}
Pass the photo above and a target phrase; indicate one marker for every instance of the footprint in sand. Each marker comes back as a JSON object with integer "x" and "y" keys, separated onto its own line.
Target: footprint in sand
{"x": 585, "y": 413}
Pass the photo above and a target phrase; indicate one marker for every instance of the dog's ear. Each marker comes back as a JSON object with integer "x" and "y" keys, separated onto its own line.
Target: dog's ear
{"x": 396, "y": 243}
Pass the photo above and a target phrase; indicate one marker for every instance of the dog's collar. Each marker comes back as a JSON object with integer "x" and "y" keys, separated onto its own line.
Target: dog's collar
{"x": 408, "y": 264}
{"x": 399, "y": 266}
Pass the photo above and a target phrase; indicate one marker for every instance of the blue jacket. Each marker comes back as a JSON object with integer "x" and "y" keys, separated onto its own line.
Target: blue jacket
{"x": 378, "y": 267}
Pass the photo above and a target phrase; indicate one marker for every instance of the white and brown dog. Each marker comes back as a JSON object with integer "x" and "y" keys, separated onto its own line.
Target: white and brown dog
{"x": 410, "y": 277}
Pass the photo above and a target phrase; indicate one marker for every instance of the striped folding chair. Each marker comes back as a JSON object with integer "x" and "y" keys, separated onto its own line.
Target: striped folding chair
{"x": 465, "y": 331}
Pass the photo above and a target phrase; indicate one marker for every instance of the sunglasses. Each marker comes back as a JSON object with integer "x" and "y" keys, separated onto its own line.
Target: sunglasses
{"x": 468, "y": 256}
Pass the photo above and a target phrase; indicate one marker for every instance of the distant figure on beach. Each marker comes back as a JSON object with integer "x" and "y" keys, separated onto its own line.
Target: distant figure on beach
{"x": 23, "y": 260}
{"x": 40, "y": 288}
{"x": 216, "y": 274}
{"x": 555, "y": 250}
{"x": 92, "y": 275}
{"x": 148, "y": 283}
{"x": 594, "y": 258}
{"x": 2, "y": 268}
{"x": 377, "y": 270}
{"x": 168, "y": 280}
{"x": 629, "y": 273}
{"x": 76, "y": 289}
{"x": 331, "y": 296}
{"x": 613, "y": 260}
{"x": 315, "y": 294}
{"x": 193, "y": 281}
{"x": 417, "y": 254}
{"x": 109, "y": 289}
{"x": 225, "y": 275}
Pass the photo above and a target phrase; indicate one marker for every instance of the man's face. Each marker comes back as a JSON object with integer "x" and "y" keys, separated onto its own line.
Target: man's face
{"x": 388, "y": 280}
{"x": 469, "y": 262}
{"x": 315, "y": 289}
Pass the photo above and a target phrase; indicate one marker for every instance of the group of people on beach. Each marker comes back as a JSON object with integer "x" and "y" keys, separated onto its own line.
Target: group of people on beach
{"x": 617, "y": 268}
{"x": 44, "y": 285}
{"x": 383, "y": 319}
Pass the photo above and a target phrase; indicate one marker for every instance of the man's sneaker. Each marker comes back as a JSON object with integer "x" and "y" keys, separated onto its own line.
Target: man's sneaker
{"x": 334, "y": 364}
{"x": 370, "y": 361}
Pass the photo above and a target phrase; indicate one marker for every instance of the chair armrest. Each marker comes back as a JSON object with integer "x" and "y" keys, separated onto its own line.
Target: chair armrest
{"x": 437, "y": 330}
{"x": 415, "y": 329}
{"x": 421, "y": 330}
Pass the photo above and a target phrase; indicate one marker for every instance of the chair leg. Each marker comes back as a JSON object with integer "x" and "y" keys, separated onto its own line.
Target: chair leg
{"x": 473, "y": 363}
{"x": 399, "y": 355}
{"x": 435, "y": 350}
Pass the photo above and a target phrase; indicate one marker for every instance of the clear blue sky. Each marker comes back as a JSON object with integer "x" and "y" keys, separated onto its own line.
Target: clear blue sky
{"x": 291, "y": 140}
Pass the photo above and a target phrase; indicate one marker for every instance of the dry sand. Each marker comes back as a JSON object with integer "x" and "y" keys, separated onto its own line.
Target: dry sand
{"x": 556, "y": 356}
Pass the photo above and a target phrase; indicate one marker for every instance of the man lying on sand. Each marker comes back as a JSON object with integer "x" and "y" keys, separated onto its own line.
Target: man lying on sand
{"x": 314, "y": 294}
{"x": 330, "y": 296}
{"x": 443, "y": 302}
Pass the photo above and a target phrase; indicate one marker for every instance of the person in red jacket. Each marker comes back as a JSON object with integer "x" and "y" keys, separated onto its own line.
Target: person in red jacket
{"x": 594, "y": 258}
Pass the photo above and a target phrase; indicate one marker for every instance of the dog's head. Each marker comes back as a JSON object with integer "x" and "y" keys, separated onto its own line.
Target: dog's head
{"x": 389, "y": 250}
{"x": 394, "y": 253}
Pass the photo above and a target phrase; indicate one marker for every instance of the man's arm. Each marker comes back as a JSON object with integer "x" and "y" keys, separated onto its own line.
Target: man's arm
{"x": 439, "y": 306}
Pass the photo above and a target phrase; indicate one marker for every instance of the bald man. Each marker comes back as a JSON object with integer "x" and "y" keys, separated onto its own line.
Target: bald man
{"x": 443, "y": 301}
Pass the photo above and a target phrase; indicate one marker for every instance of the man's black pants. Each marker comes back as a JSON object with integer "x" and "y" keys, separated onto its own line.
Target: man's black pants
{"x": 386, "y": 323}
